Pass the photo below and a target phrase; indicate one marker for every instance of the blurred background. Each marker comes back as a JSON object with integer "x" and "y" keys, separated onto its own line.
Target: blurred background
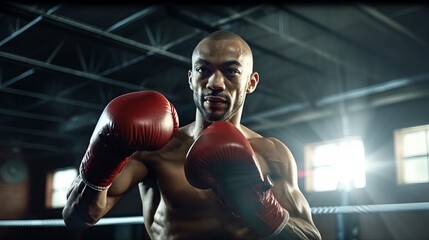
{"x": 345, "y": 86}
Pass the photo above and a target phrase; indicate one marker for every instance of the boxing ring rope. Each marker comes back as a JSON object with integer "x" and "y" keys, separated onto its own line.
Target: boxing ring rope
{"x": 394, "y": 207}
{"x": 376, "y": 208}
{"x": 59, "y": 222}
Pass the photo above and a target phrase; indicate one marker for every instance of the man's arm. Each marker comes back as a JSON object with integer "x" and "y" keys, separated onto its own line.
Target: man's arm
{"x": 223, "y": 159}
{"x": 137, "y": 121}
{"x": 86, "y": 206}
{"x": 286, "y": 190}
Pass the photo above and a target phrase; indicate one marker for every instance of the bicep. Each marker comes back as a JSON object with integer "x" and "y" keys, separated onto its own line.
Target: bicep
{"x": 286, "y": 188}
{"x": 287, "y": 192}
{"x": 132, "y": 173}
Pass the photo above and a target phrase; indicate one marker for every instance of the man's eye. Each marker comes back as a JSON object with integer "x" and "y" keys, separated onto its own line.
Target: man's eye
{"x": 203, "y": 70}
{"x": 232, "y": 71}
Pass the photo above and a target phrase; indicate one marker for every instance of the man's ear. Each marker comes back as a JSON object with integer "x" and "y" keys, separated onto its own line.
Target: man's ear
{"x": 190, "y": 79}
{"x": 253, "y": 82}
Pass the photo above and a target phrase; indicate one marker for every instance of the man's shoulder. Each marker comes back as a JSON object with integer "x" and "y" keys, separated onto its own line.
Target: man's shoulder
{"x": 249, "y": 133}
{"x": 254, "y": 136}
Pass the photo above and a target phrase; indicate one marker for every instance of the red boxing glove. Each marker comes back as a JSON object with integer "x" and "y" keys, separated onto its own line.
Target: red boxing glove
{"x": 137, "y": 121}
{"x": 222, "y": 159}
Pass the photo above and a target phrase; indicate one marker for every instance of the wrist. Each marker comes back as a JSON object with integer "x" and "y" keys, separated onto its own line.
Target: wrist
{"x": 279, "y": 228}
{"x": 94, "y": 186}
{"x": 100, "y": 177}
{"x": 260, "y": 211}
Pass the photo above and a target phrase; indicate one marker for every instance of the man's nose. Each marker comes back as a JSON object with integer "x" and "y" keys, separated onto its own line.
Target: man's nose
{"x": 216, "y": 81}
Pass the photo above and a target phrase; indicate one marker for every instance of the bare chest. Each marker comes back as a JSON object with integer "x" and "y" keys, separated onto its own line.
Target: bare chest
{"x": 172, "y": 207}
{"x": 169, "y": 180}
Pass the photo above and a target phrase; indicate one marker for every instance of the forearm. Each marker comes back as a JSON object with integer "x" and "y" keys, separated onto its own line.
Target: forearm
{"x": 84, "y": 207}
{"x": 269, "y": 219}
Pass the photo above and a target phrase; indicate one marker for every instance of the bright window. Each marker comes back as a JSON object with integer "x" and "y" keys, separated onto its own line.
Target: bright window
{"x": 412, "y": 154}
{"x": 335, "y": 165}
{"x": 58, "y": 183}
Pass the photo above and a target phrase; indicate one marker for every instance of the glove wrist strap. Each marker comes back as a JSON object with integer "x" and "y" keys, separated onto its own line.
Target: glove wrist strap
{"x": 280, "y": 228}
{"x": 93, "y": 186}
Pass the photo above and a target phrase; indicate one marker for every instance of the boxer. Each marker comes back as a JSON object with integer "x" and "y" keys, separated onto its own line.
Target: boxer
{"x": 211, "y": 179}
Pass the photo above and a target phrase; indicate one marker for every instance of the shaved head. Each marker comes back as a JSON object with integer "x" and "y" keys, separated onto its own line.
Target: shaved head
{"x": 224, "y": 35}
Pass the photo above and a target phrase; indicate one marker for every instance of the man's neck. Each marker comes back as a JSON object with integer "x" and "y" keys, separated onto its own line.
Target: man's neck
{"x": 200, "y": 124}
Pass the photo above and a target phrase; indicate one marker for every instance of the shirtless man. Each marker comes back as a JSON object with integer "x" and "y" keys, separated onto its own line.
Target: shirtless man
{"x": 189, "y": 182}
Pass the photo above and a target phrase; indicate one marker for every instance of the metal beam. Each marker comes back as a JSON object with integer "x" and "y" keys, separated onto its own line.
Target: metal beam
{"x": 34, "y": 116}
{"x": 17, "y": 78}
{"x": 64, "y": 70}
{"x": 198, "y": 23}
{"x": 336, "y": 34}
{"x": 39, "y": 133}
{"x": 134, "y": 17}
{"x": 53, "y": 98}
{"x": 93, "y": 32}
{"x": 123, "y": 65}
{"x": 325, "y": 29}
{"x": 378, "y": 88}
{"x": 298, "y": 43}
{"x": 308, "y": 114}
{"x": 27, "y": 26}
{"x": 111, "y": 70}
{"x": 59, "y": 94}
{"x": 34, "y": 146}
{"x": 19, "y": 31}
{"x": 275, "y": 112}
{"x": 392, "y": 24}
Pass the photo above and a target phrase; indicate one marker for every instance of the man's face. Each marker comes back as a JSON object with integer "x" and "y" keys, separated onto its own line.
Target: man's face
{"x": 221, "y": 76}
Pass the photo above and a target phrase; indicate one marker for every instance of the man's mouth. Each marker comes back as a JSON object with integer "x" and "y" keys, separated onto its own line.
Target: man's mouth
{"x": 215, "y": 99}
{"x": 215, "y": 102}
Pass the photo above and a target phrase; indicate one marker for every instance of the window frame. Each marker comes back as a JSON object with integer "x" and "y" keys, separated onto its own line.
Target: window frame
{"x": 49, "y": 190}
{"x": 399, "y": 151}
{"x": 309, "y": 150}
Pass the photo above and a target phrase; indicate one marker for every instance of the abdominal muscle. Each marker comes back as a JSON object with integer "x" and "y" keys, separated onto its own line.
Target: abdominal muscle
{"x": 200, "y": 219}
